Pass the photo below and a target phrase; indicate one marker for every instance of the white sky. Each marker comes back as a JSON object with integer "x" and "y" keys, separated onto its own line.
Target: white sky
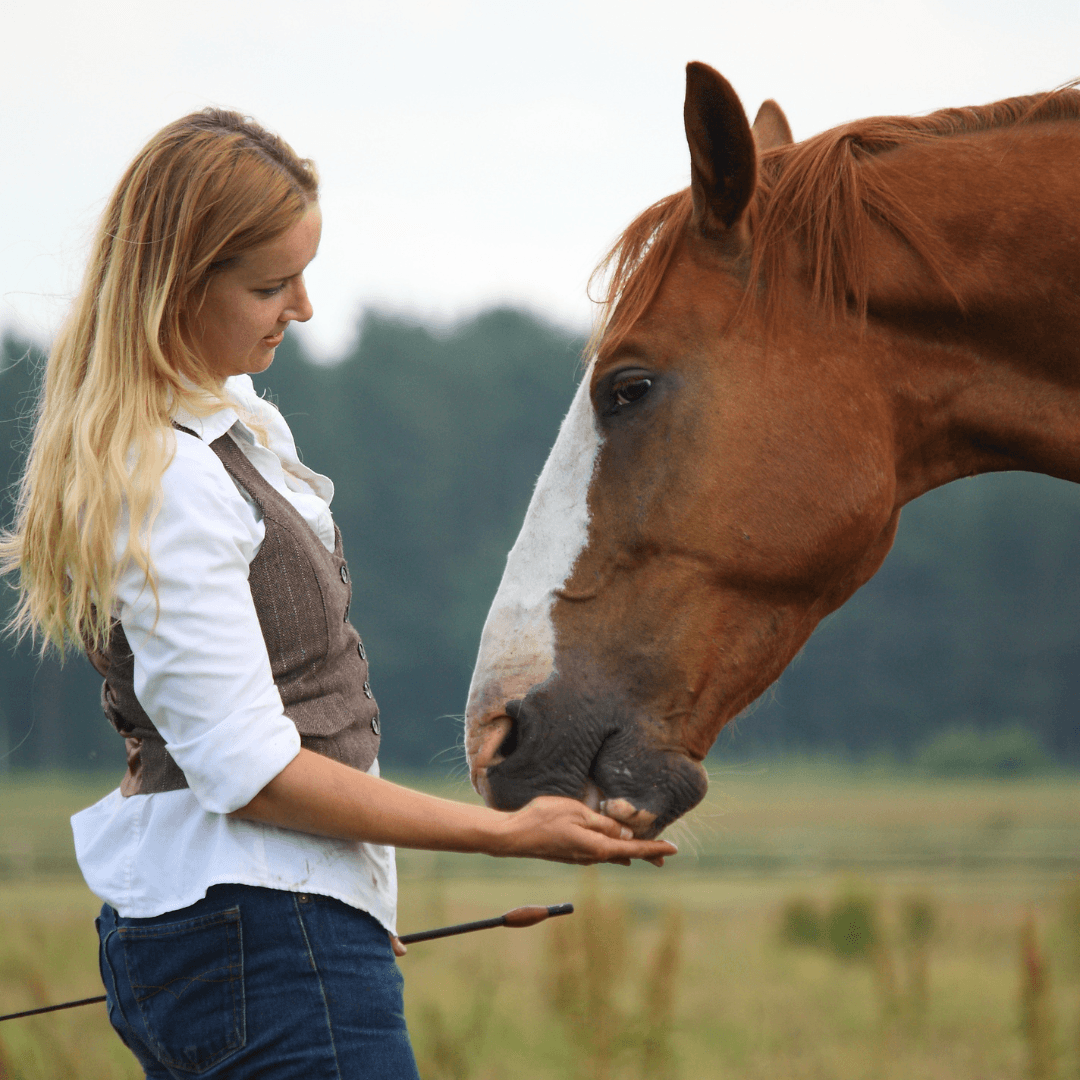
{"x": 471, "y": 151}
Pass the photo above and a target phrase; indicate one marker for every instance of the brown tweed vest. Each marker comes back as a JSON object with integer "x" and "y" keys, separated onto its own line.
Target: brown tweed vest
{"x": 302, "y": 594}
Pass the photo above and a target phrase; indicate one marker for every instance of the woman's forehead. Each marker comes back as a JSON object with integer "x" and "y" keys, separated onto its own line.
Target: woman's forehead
{"x": 286, "y": 255}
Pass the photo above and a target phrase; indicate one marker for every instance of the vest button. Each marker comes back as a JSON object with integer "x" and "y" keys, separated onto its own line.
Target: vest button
{"x": 360, "y": 650}
{"x": 375, "y": 723}
{"x": 345, "y": 574}
{"x": 367, "y": 690}
{"x": 346, "y": 619}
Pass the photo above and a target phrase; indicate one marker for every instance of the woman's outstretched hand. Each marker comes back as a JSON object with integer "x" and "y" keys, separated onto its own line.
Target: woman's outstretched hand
{"x": 316, "y": 795}
{"x": 565, "y": 830}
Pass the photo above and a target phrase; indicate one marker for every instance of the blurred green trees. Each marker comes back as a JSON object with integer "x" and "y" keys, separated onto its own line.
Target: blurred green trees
{"x": 434, "y": 440}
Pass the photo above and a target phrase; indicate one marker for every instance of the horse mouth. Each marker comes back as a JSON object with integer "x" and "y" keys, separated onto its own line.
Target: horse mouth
{"x": 642, "y": 823}
{"x": 611, "y": 769}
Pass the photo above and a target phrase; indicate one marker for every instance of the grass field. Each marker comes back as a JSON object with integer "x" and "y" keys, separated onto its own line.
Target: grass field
{"x": 679, "y": 972}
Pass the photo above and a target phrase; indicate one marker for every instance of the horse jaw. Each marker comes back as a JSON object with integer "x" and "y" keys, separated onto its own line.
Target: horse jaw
{"x": 517, "y": 646}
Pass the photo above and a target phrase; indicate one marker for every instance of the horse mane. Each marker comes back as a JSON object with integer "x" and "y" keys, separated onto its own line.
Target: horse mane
{"x": 819, "y": 194}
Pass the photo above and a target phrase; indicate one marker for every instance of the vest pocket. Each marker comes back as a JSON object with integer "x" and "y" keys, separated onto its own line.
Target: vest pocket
{"x": 188, "y": 981}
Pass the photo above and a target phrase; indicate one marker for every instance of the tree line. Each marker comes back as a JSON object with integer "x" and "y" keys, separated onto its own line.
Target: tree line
{"x": 434, "y": 439}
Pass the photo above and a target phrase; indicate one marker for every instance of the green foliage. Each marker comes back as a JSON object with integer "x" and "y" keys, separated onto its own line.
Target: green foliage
{"x": 851, "y": 926}
{"x": 918, "y": 927}
{"x": 800, "y": 922}
{"x": 918, "y": 920}
{"x": 1013, "y": 751}
{"x": 590, "y": 967}
{"x": 434, "y": 440}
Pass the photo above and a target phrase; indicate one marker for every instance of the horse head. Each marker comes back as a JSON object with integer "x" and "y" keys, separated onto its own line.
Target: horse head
{"x": 730, "y": 471}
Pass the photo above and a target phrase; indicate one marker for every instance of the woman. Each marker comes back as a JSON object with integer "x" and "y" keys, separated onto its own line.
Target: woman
{"x": 167, "y": 526}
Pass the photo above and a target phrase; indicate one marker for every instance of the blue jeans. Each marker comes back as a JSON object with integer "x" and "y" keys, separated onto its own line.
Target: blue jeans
{"x": 253, "y": 982}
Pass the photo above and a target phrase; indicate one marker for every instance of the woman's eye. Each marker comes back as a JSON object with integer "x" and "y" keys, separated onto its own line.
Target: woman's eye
{"x": 270, "y": 292}
{"x": 628, "y": 392}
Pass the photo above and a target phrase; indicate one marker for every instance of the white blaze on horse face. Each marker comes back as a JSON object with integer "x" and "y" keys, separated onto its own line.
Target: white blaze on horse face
{"x": 517, "y": 647}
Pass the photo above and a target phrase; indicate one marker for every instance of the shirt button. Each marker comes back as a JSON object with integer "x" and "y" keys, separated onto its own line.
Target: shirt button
{"x": 360, "y": 650}
{"x": 375, "y": 723}
{"x": 367, "y": 689}
{"x": 345, "y": 574}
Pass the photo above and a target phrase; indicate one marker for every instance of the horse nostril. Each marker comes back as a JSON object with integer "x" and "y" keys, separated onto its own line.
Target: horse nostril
{"x": 510, "y": 741}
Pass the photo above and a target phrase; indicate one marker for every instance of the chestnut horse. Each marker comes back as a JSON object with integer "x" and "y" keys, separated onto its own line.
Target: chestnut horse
{"x": 807, "y": 338}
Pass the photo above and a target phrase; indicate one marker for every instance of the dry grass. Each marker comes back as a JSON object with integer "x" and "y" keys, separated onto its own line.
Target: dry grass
{"x": 680, "y": 972}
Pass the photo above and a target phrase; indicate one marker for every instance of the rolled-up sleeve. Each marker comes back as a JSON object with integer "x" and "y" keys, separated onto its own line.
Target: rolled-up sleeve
{"x": 201, "y": 668}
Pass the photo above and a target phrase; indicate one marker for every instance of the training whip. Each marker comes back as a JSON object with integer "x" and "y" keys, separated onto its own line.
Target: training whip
{"x": 520, "y": 916}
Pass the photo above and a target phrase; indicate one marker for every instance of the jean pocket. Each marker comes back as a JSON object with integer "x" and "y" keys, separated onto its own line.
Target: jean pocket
{"x": 188, "y": 981}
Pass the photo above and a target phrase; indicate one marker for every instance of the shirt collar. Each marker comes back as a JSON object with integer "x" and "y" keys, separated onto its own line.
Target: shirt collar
{"x": 215, "y": 424}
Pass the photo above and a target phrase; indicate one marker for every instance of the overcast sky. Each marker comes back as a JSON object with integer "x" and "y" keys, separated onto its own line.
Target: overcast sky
{"x": 471, "y": 151}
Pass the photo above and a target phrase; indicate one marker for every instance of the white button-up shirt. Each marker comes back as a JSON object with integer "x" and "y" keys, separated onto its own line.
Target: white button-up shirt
{"x": 203, "y": 676}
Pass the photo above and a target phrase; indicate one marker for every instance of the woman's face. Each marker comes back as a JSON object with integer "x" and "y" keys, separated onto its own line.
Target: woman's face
{"x": 249, "y": 304}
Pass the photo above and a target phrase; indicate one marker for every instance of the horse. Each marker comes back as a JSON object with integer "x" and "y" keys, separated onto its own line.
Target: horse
{"x": 796, "y": 346}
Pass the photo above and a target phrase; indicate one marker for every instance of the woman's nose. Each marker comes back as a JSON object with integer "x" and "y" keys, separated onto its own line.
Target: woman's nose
{"x": 299, "y": 309}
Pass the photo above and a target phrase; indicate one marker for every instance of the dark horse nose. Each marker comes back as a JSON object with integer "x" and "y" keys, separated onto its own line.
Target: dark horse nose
{"x": 552, "y": 748}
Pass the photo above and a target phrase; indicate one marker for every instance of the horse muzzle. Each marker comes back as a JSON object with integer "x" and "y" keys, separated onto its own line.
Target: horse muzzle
{"x": 608, "y": 757}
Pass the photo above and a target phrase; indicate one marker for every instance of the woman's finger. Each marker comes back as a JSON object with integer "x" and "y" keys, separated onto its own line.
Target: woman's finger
{"x": 608, "y": 826}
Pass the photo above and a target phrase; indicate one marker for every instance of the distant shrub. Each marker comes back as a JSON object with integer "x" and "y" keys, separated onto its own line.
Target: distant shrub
{"x": 800, "y": 922}
{"x": 968, "y": 752}
{"x": 852, "y": 929}
{"x": 918, "y": 925}
{"x": 918, "y": 920}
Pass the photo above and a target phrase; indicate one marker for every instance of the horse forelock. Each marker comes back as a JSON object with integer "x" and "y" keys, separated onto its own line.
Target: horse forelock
{"x": 820, "y": 194}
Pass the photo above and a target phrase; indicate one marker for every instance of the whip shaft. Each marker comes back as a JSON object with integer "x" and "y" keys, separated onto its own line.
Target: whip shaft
{"x": 523, "y": 916}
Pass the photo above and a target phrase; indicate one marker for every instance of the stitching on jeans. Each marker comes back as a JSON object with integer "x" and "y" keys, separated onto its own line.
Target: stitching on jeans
{"x": 322, "y": 989}
{"x": 227, "y": 920}
{"x": 112, "y": 975}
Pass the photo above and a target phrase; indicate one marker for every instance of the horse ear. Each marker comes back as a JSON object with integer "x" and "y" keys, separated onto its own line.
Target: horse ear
{"x": 723, "y": 159}
{"x": 771, "y": 128}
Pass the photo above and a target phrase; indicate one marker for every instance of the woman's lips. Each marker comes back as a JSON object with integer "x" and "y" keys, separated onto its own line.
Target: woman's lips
{"x": 274, "y": 340}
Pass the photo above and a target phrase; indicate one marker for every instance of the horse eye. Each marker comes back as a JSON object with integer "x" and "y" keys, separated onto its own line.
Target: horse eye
{"x": 632, "y": 391}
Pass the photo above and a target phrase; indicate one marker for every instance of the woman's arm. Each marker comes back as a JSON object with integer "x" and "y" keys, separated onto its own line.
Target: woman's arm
{"x": 315, "y": 794}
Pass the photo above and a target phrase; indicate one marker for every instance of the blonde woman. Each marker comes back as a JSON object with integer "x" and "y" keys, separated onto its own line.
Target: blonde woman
{"x": 167, "y": 526}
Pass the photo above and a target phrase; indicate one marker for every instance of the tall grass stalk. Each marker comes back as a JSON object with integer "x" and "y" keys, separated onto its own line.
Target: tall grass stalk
{"x": 452, "y": 1048}
{"x": 1036, "y": 1018}
{"x": 588, "y": 985}
{"x": 918, "y": 924}
{"x": 587, "y": 960}
{"x": 6, "y": 1071}
{"x": 657, "y": 1024}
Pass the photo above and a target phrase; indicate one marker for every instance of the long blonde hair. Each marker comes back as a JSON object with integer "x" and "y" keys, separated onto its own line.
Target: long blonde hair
{"x": 204, "y": 191}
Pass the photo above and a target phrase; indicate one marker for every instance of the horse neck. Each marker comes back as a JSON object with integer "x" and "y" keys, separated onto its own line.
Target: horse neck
{"x": 982, "y": 362}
